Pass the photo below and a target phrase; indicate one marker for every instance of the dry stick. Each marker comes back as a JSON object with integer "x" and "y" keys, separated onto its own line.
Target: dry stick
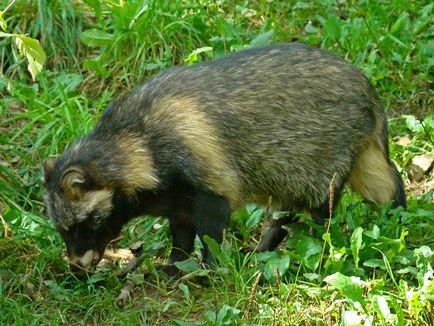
{"x": 331, "y": 201}
{"x": 116, "y": 240}
{"x": 6, "y": 227}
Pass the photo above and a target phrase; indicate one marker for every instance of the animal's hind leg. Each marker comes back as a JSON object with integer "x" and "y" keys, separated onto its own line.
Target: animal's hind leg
{"x": 274, "y": 235}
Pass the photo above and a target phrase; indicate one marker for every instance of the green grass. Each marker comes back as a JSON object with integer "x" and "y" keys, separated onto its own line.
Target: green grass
{"x": 96, "y": 50}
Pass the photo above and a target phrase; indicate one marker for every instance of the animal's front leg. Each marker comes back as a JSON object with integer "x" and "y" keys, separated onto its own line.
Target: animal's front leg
{"x": 211, "y": 215}
{"x": 183, "y": 234}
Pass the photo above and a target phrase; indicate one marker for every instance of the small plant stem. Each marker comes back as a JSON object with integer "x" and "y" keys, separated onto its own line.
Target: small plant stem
{"x": 253, "y": 293}
{"x": 5, "y": 226}
{"x": 339, "y": 9}
{"x": 9, "y": 6}
{"x": 331, "y": 201}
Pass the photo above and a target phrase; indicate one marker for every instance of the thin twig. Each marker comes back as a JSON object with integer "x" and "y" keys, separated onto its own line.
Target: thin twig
{"x": 9, "y": 6}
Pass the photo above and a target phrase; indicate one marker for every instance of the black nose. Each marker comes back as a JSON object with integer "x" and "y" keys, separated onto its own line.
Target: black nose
{"x": 96, "y": 257}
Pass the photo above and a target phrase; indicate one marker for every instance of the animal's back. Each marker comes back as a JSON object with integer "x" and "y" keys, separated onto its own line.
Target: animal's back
{"x": 278, "y": 120}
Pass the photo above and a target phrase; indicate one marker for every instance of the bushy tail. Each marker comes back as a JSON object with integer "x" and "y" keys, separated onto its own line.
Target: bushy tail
{"x": 373, "y": 175}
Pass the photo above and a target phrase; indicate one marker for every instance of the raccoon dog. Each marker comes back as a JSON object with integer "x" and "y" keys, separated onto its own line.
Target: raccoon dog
{"x": 194, "y": 143}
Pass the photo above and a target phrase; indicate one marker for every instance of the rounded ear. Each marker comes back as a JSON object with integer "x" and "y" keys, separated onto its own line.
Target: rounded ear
{"x": 73, "y": 180}
{"x": 48, "y": 166}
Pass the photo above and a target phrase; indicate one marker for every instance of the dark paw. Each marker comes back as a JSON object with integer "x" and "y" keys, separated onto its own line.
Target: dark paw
{"x": 165, "y": 271}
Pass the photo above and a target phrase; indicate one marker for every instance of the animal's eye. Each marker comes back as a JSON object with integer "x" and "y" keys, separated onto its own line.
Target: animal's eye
{"x": 90, "y": 217}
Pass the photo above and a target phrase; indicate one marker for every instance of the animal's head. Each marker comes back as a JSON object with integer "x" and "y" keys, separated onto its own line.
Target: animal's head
{"x": 81, "y": 208}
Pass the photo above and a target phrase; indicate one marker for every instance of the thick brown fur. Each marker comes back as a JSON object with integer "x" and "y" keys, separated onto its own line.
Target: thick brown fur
{"x": 194, "y": 143}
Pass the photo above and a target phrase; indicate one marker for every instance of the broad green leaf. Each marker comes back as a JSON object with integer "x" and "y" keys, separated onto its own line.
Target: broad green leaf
{"x": 193, "y": 56}
{"x": 32, "y": 50}
{"x": 95, "y": 278}
{"x": 413, "y": 124}
{"x": 265, "y": 256}
{"x": 213, "y": 247}
{"x": 211, "y": 316}
{"x": 184, "y": 288}
{"x": 263, "y": 39}
{"x": 254, "y": 218}
{"x": 152, "y": 66}
{"x": 375, "y": 263}
{"x": 226, "y": 315}
{"x": 408, "y": 269}
{"x": 350, "y": 287}
{"x": 356, "y": 244}
{"x": 96, "y": 37}
{"x": 188, "y": 266}
{"x": 381, "y": 307}
{"x": 251, "y": 207}
{"x": 31, "y": 47}
{"x": 309, "y": 28}
{"x": 423, "y": 251}
{"x": 310, "y": 249}
{"x": 374, "y": 234}
{"x": 280, "y": 264}
{"x": 312, "y": 276}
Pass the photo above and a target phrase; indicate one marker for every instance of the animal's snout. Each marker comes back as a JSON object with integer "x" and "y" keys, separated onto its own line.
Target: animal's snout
{"x": 90, "y": 256}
